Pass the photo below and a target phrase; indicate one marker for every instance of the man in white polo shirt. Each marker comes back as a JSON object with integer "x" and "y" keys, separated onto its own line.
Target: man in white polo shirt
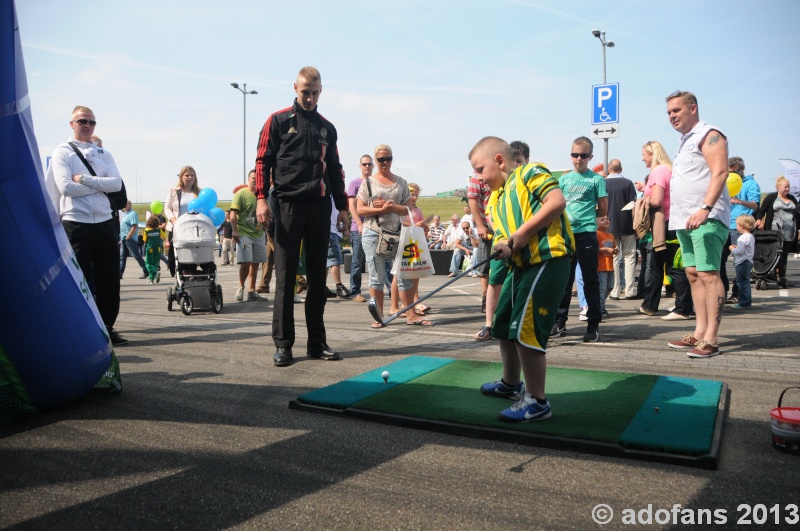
{"x": 700, "y": 213}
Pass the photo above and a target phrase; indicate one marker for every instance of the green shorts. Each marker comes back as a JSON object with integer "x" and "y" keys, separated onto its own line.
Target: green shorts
{"x": 498, "y": 271}
{"x": 529, "y": 301}
{"x": 702, "y": 247}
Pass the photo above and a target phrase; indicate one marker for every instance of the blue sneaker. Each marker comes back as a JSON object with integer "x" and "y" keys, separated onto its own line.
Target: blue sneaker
{"x": 499, "y": 388}
{"x": 526, "y": 409}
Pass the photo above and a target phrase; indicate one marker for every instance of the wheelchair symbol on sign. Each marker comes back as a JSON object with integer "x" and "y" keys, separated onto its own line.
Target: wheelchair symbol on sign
{"x": 604, "y": 116}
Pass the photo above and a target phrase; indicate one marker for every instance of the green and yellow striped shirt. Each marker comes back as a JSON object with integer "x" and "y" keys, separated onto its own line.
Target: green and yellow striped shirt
{"x": 517, "y": 202}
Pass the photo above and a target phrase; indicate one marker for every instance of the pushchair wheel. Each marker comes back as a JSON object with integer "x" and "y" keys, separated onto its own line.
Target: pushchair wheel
{"x": 170, "y": 298}
{"x": 186, "y": 305}
{"x": 217, "y": 304}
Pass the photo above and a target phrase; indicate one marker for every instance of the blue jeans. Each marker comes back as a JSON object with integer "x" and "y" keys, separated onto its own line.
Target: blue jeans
{"x": 579, "y": 286}
{"x": 356, "y": 263}
{"x": 743, "y": 282}
{"x": 377, "y": 264}
{"x": 130, "y": 248}
{"x": 606, "y": 280}
{"x": 458, "y": 255}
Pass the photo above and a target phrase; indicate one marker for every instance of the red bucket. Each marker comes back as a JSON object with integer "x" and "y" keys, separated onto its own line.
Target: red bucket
{"x": 785, "y": 426}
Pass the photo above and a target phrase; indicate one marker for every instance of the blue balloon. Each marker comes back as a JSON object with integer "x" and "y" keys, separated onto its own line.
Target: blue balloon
{"x": 197, "y": 205}
{"x": 217, "y": 216}
{"x": 209, "y": 197}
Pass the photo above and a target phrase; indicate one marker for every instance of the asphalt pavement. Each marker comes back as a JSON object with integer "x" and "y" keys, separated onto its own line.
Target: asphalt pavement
{"x": 202, "y": 437}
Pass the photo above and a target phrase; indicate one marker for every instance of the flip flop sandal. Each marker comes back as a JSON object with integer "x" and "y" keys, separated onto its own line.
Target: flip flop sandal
{"x": 376, "y": 325}
{"x": 419, "y": 312}
{"x": 485, "y": 334}
{"x": 423, "y": 308}
{"x": 421, "y": 322}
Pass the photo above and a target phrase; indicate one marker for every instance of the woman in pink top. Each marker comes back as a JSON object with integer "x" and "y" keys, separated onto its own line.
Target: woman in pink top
{"x": 657, "y": 189}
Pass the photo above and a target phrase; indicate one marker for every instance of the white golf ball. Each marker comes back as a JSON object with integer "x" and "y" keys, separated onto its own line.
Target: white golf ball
{"x": 385, "y": 375}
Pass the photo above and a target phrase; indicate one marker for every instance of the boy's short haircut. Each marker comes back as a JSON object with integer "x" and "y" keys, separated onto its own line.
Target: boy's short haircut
{"x": 495, "y": 144}
{"x": 747, "y": 221}
{"x": 519, "y": 147}
{"x": 585, "y": 143}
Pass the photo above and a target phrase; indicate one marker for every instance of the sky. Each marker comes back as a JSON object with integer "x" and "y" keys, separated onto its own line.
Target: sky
{"x": 429, "y": 78}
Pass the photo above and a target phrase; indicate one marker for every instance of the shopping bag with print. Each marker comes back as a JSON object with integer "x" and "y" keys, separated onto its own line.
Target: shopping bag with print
{"x": 413, "y": 259}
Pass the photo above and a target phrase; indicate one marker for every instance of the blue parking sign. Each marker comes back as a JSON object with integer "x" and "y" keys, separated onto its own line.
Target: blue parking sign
{"x": 605, "y": 104}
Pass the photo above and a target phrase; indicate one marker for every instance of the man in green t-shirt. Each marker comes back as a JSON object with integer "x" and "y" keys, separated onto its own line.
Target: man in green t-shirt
{"x": 587, "y": 200}
{"x": 251, "y": 245}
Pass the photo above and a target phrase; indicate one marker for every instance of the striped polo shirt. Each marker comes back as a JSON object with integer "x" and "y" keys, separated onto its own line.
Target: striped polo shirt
{"x": 518, "y": 201}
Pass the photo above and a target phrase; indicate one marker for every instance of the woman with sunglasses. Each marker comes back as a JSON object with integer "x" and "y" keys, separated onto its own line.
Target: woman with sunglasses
{"x": 177, "y": 203}
{"x": 382, "y": 200}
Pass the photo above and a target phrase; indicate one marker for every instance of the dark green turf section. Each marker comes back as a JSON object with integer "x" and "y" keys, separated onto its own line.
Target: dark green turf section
{"x": 591, "y": 405}
{"x": 347, "y": 392}
{"x": 684, "y": 422}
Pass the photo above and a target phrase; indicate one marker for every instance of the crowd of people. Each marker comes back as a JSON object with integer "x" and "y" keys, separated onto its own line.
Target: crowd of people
{"x": 534, "y": 241}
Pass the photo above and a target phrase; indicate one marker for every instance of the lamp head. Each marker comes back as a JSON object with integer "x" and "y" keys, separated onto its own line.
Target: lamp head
{"x": 235, "y": 85}
{"x": 255, "y": 92}
{"x": 610, "y": 44}
{"x": 596, "y": 33}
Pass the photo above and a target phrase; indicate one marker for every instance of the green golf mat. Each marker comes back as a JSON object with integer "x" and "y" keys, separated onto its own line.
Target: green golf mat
{"x": 651, "y": 417}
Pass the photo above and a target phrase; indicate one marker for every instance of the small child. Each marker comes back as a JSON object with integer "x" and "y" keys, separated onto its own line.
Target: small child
{"x": 743, "y": 258}
{"x": 153, "y": 247}
{"x": 533, "y": 234}
{"x": 605, "y": 261}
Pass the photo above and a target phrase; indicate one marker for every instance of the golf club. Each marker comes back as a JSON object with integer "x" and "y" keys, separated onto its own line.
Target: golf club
{"x": 376, "y": 312}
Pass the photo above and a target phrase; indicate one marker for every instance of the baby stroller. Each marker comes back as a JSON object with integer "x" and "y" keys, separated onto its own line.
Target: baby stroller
{"x": 768, "y": 250}
{"x": 196, "y": 288}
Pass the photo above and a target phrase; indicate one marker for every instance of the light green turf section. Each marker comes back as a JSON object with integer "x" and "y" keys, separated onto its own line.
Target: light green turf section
{"x": 347, "y": 392}
{"x": 678, "y": 416}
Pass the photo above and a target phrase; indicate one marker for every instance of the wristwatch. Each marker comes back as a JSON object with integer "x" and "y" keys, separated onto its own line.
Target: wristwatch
{"x": 82, "y": 178}
{"x": 705, "y": 207}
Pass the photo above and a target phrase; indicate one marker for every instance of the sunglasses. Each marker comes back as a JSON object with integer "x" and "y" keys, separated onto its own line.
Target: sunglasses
{"x": 583, "y": 156}
{"x": 366, "y": 164}
{"x": 384, "y": 159}
{"x": 84, "y": 121}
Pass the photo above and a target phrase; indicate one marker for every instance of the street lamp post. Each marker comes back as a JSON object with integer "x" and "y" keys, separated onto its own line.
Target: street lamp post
{"x": 244, "y": 92}
{"x": 605, "y": 44}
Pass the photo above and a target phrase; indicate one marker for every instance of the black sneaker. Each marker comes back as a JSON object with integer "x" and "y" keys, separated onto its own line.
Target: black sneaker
{"x": 559, "y": 330}
{"x": 591, "y": 335}
{"x": 116, "y": 339}
{"x": 342, "y": 292}
{"x": 329, "y": 293}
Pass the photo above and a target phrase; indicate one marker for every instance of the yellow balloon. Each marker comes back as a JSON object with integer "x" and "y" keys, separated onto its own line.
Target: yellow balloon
{"x": 734, "y": 184}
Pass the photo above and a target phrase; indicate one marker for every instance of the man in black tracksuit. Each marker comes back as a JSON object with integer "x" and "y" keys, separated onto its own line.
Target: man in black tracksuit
{"x": 297, "y": 147}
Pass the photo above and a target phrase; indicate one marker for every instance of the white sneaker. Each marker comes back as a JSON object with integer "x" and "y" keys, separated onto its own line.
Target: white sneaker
{"x": 297, "y": 299}
{"x": 672, "y": 316}
{"x": 253, "y": 296}
{"x": 582, "y": 314}
{"x": 240, "y": 294}
{"x": 149, "y": 281}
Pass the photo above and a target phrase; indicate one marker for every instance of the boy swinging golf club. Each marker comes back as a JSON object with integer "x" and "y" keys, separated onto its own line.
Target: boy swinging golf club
{"x": 527, "y": 214}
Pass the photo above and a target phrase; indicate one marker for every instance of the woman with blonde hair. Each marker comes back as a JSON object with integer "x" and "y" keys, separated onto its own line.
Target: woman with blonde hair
{"x": 382, "y": 200}
{"x": 177, "y": 203}
{"x": 779, "y": 212}
{"x": 657, "y": 193}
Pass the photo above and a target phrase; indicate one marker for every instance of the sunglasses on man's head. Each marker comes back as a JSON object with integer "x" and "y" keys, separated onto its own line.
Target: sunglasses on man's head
{"x": 84, "y": 121}
{"x": 583, "y": 156}
{"x": 384, "y": 159}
